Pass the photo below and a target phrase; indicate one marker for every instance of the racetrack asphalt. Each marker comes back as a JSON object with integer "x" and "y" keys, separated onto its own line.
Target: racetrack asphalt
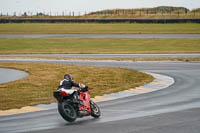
{"x": 7, "y": 75}
{"x": 174, "y": 109}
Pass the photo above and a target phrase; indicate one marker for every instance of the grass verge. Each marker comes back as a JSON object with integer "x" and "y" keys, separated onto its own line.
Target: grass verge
{"x": 63, "y": 28}
{"x": 185, "y": 59}
{"x": 38, "y": 87}
{"x": 95, "y": 45}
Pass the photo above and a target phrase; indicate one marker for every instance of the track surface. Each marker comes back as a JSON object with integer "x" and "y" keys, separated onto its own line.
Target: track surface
{"x": 174, "y": 109}
{"x": 100, "y": 35}
{"x": 7, "y": 75}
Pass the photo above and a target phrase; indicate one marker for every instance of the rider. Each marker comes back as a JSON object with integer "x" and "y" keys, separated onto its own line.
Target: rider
{"x": 68, "y": 83}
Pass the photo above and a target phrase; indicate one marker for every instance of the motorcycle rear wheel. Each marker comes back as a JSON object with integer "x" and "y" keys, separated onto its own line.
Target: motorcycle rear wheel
{"x": 67, "y": 111}
{"x": 96, "y": 113}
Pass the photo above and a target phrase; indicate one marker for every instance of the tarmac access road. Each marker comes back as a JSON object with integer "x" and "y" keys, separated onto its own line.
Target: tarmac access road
{"x": 99, "y": 35}
{"x": 175, "y": 109}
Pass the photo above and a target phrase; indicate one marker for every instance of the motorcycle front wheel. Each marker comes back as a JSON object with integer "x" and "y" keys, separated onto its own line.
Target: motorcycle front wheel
{"x": 67, "y": 111}
{"x": 96, "y": 113}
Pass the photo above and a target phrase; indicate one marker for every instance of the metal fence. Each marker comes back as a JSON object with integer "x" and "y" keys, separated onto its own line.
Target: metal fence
{"x": 99, "y": 20}
{"x": 104, "y": 13}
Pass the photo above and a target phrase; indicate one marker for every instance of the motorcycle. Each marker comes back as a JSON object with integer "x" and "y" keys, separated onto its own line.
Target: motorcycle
{"x": 70, "y": 108}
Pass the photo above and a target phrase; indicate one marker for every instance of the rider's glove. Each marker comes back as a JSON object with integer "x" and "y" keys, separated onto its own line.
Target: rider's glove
{"x": 84, "y": 89}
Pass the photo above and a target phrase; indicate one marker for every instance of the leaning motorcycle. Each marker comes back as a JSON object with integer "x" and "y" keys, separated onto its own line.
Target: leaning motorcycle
{"x": 70, "y": 109}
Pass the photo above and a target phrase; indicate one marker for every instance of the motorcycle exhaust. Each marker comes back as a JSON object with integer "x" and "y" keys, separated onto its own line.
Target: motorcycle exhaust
{"x": 82, "y": 113}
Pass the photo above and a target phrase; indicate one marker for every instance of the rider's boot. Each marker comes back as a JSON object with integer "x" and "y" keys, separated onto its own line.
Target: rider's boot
{"x": 76, "y": 100}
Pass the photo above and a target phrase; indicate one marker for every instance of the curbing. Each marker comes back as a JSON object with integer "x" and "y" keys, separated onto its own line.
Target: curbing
{"x": 160, "y": 82}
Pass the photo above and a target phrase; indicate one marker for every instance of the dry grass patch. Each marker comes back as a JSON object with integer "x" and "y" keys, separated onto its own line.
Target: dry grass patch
{"x": 38, "y": 87}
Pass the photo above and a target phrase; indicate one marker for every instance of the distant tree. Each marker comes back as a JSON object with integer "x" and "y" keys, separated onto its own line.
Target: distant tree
{"x": 40, "y": 14}
{"x": 24, "y": 14}
{"x": 14, "y": 14}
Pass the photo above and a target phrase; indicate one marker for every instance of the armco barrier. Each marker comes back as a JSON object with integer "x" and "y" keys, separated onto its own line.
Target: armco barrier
{"x": 99, "y": 20}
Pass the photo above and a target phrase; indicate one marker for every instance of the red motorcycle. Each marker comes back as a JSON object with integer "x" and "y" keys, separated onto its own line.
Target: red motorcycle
{"x": 70, "y": 109}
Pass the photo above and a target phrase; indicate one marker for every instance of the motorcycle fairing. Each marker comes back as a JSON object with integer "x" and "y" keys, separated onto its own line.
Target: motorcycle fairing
{"x": 85, "y": 98}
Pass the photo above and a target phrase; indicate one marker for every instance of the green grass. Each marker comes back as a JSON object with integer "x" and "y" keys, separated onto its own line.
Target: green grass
{"x": 108, "y": 45}
{"x": 61, "y": 28}
{"x": 43, "y": 79}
